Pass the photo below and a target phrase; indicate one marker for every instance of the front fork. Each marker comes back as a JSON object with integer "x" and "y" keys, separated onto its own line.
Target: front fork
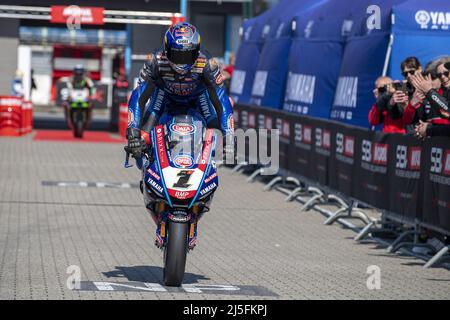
{"x": 161, "y": 232}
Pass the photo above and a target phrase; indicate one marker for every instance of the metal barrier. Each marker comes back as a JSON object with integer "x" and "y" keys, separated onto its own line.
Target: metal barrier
{"x": 408, "y": 180}
{"x": 348, "y": 209}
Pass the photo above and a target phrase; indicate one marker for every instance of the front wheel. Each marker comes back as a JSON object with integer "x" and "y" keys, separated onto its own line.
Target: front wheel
{"x": 78, "y": 129}
{"x": 78, "y": 126}
{"x": 175, "y": 253}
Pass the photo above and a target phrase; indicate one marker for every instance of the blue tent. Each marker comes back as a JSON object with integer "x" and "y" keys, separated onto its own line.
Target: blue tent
{"x": 420, "y": 29}
{"x": 362, "y": 63}
{"x": 315, "y": 57}
{"x": 254, "y": 33}
{"x": 270, "y": 79}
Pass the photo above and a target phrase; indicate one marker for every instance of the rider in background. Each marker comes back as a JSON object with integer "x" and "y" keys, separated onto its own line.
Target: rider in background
{"x": 179, "y": 77}
{"x": 80, "y": 80}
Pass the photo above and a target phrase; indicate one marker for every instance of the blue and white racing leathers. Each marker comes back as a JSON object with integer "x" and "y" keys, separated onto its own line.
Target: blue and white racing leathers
{"x": 160, "y": 89}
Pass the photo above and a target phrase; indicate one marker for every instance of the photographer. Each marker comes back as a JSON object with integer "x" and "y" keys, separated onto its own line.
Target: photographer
{"x": 388, "y": 108}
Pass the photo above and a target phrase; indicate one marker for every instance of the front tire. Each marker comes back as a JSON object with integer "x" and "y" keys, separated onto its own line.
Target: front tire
{"x": 78, "y": 130}
{"x": 175, "y": 253}
{"x": 78, "y": 124}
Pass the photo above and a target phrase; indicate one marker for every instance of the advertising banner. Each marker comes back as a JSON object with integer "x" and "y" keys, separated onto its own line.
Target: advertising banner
{"x": 436, "y": 171}
{"x": 341, "y": 175}
{"x": 77, "y": 15}
{"x": 405, "y": 179}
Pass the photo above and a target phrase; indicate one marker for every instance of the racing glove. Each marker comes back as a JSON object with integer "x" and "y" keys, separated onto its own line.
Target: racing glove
{"x": 136, "y": 143}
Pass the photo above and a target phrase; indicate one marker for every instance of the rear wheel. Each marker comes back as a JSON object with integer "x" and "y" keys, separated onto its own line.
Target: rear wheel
{"x": 175, "y": 253}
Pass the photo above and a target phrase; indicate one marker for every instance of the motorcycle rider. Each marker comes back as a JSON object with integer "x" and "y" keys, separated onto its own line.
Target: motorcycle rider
{"x": 178, "y": 77}
{"x": 78, "y": 81}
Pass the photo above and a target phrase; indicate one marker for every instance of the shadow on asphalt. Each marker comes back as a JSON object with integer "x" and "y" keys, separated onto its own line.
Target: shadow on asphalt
{"x": 151, "y": 274}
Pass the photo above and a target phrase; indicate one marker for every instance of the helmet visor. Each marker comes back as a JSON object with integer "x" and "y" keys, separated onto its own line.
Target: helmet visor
{"x": 182, "y": 56}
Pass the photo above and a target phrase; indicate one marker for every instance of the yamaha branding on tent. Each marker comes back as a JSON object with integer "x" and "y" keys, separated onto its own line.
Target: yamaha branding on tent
{"x": 353, "y": 99}
{"x": 313, "y": 70}
{"x": 420, "y": 29}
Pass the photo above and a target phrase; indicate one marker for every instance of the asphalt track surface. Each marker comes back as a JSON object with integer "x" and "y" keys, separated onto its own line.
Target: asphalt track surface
{"x": 68, "y": 205}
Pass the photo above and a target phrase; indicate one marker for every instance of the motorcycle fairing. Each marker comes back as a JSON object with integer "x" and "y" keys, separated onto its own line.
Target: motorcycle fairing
{"x": 174, "y": 182}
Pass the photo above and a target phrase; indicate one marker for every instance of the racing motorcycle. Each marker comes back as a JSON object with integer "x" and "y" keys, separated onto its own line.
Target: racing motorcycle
{"x": 77, "y": 109}
{"x": 179, "y": 178}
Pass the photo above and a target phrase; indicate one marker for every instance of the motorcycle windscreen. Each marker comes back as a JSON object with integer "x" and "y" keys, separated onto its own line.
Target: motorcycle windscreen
{"x": 185, "y": 141}
{"x": 79, "y": 97}
{"x": 184, "y": 168}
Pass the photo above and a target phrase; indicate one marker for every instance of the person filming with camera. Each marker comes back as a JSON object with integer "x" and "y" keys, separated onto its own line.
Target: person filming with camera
{"x": 389, "y": 105}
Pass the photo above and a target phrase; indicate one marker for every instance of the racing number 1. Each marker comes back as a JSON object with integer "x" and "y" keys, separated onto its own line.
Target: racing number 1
{"x": 182, "y": 182}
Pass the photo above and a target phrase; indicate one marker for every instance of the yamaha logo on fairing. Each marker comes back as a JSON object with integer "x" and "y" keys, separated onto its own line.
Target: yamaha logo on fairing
{"x": 208, "y": 189}
{"x": 439, "y": 20}
{"x": 155, "y": 185}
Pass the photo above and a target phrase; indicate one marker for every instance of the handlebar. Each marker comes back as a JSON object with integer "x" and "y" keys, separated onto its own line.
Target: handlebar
{"x": 145, "y": 150}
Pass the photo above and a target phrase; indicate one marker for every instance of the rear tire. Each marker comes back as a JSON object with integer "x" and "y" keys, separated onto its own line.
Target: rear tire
{"x": 175, "y": 253}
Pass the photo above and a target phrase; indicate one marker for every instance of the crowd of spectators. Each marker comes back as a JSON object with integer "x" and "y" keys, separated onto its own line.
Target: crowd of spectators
{"x": 418, "y": 104}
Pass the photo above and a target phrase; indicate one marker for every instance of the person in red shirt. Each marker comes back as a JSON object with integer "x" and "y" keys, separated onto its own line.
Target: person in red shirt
{"x": 228, "y": 70}
{"x": 388, "y": 108}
